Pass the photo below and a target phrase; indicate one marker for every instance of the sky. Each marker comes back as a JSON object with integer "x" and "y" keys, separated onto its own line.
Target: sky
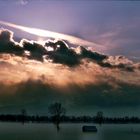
{"x": 106, "y": 77}
{"x": 115, "y": 24}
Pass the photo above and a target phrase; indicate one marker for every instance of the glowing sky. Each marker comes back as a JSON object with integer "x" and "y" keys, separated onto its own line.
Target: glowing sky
{"x": 114, "y": 24}
{"x": 55, "y": 35}
{"x": 106, "y": 77}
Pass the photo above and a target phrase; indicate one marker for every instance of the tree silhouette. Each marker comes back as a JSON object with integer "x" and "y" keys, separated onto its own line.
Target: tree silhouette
{"x": 57, "y": 111}
{"x": 23, "y": 114}
{"x": 99, "y": 117}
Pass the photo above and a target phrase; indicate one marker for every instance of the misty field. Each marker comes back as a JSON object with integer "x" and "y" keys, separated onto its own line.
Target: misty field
{"x": 29, "y": 131}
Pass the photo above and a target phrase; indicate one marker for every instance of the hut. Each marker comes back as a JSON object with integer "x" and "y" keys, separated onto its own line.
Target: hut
{"x": 89, "y": 129}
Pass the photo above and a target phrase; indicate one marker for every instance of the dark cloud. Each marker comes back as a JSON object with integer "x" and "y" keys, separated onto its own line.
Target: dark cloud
{"x": 84, "y": 53}
{"x": 62, "y": 53}
{"x": 58, "y": 51}
{"x": 121, "y": 62}
{"x": 32, "y": 92}
{"x": 7, "y": 44}
{"x": 34, "y": 75}
{"x": 36, "y": 50}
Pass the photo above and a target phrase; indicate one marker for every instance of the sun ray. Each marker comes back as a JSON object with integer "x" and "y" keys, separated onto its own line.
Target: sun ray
{"x": 46, "y": 33}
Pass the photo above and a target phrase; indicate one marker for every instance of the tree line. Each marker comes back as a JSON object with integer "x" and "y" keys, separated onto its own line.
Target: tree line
{"x": 67, "y": 119}
{"x": 57, "y": 115}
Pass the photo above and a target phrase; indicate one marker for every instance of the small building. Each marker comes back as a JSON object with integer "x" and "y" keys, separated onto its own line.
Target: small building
{"x": 89, "y": 129}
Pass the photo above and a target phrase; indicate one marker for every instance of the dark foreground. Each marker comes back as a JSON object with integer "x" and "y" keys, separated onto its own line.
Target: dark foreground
{"x": 72, "y": 131}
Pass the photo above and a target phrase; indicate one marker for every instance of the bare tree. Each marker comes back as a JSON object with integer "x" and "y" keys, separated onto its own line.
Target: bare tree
{"x": 57, "y": 111}
{"x": 99, "y": 117}
{"x": 23, "y": 114}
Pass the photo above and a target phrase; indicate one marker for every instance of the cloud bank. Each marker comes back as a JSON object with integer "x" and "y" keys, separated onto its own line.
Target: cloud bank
{"x": 33, "y": 72}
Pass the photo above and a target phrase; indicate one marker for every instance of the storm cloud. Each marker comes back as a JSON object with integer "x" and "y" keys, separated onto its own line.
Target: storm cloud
{"x": 31, "y": 72}
{"x": 58, "y": 51}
